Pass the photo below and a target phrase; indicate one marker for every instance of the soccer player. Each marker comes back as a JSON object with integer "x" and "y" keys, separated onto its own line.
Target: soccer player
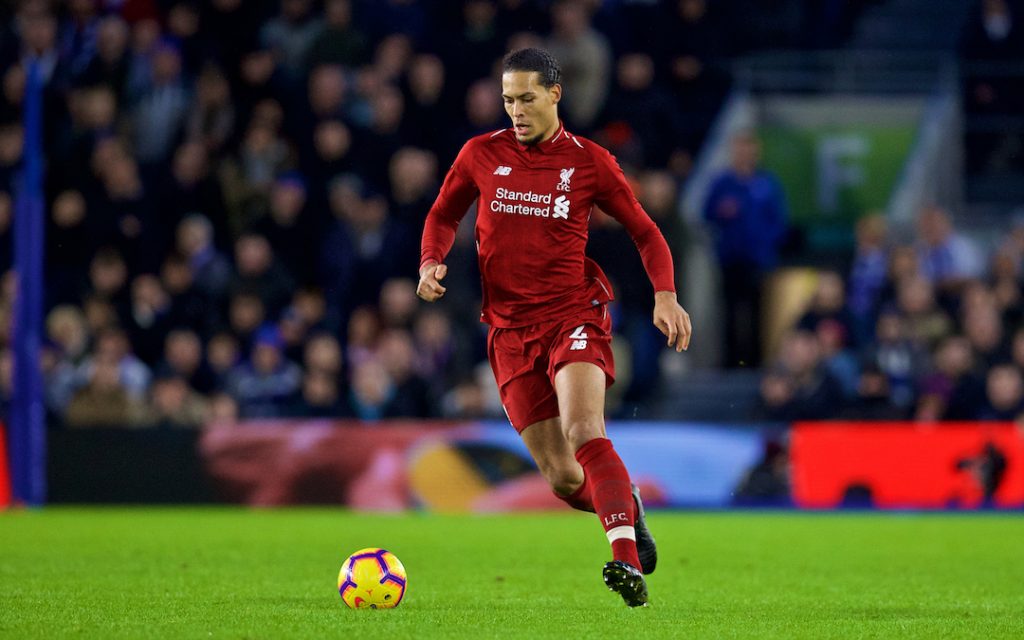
{"x": 549, "y": 342}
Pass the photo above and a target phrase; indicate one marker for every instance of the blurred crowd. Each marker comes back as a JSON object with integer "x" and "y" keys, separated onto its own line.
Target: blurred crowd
{"x": 926, "y": 329}
{"x": 235, "y": 190}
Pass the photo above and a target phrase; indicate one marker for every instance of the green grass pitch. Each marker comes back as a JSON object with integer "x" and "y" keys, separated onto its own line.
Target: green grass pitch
{"x": 234, "y": 573}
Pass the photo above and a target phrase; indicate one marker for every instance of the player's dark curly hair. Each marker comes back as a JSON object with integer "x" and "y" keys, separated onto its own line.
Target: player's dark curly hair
{"x": 533, "y": 59}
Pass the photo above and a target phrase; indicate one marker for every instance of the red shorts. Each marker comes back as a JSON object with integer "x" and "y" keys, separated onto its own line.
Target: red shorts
{"x": 525, "y": 360}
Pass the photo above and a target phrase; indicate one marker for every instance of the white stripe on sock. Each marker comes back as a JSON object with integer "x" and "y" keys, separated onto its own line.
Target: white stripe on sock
{"x": 619, "y": 533}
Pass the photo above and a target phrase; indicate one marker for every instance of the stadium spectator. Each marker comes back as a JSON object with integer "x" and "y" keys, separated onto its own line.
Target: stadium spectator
{"x": 947, "y": 258}
{"x": 837, "y": 356}
{"x": 897, "y": 356}
{"x": 223, "y": 409}
{"x": 37, "y": 28}
{"x": 952, "y": 391}
{"x": 189, "y": 308}
{"x": 1004, "y": 394}
{"x": 873, "y": 399}
{"x": 984, "y": 330}
{"x": 340, "y": 41}
{"x": 109, "y": 279}
{"x": 828, "y": 308}
{"x": 476, "y": 42}
{"x": 398, "y": 303}
{"x": 746, "y": 212}
{"x": 380, "y": 248}
{"x": 173, "y": 403}
{"x": 211, "y": 271}
{"x": 690, "y": 43}
{"x": 439, "y": 357}
{"x": 586, "y": 62}
{"x": 867, "y": 275}
{"x": 412, "y": 396}
{"x": 112, "y": 345}
{"x": 160, "y": 103}
{"x": 322, "y": 354}
{"x": 483, "y": 111}
{"x": 223, "y": 355}
{"x": 332, "y": 154}
{"x": 925, "y": 323}
{"x": 150, "y": 319}
{"x": 183, "y": 358}
{"x": 383, "y": 136}
{"x": 363, "y": 331}
{"x": 258, "y": 270}
{"x": 412, "y": 174}
{"x": 12, "y": 144}
{"x": 635, "y": 98}
{"x": 310, "y": 306}
{"x": 212, "y": 116}
{"x": 429, "y": 102}
{"x": 109, "y": 64}
{"x": 265, "y": 385}
{"x": 320, "y": 397}
{"x": 289, "y": 227}
{"x": 246, "y": 313}
{"x": 465, "y": 401}
{"x": 66, "y": 328}
{"x": 777, "y": 396}
{"x": 69, "y": 246}
{"x": 817, "y": 394}
{"x": 291, "y": 34}
{"x": 995, "y": 33}
{"x": 372, "y": 395}
{"x": 105, "y": 401}
{"x": 190, "y": 188}
{"x": 60, "y": 378}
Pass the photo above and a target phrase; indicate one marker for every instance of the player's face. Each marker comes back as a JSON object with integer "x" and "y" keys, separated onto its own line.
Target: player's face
{"x": 532, "y": 107}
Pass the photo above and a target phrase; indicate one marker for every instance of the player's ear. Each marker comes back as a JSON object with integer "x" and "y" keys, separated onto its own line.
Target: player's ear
{"x": 556, "y": 93}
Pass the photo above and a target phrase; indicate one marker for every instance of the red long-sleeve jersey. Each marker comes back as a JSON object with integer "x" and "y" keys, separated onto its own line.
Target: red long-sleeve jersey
{"x": 533, "y": 212}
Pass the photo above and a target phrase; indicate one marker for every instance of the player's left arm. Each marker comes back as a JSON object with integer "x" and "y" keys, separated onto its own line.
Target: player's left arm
{"x": 615, "y": 197}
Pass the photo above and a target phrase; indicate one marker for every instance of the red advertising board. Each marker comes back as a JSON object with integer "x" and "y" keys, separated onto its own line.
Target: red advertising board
{"x": 907, "y": 465}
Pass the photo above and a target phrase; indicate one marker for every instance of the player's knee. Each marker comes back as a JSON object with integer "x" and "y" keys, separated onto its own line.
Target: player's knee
{"x": 565, "y": 484}
{"x": 564, "y": 479}
{"x": 580, "y": 431}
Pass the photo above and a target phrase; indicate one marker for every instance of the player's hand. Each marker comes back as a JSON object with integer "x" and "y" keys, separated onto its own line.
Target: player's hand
{"x": 672, "y": 320}
{"x": 430, "y": 288}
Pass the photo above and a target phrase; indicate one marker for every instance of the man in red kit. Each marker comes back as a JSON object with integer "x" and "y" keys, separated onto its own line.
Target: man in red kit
{"x": 547, "y": 304}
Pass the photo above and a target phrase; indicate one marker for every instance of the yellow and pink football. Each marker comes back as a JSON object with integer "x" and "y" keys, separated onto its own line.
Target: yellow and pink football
{"x": 372, "y": 579}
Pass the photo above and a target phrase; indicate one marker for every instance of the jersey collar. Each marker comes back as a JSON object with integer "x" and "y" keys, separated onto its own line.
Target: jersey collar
{"x": 548, "y": 145}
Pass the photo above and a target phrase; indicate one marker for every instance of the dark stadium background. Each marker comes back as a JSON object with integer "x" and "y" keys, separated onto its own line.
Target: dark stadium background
{"x": 233, "y": 196}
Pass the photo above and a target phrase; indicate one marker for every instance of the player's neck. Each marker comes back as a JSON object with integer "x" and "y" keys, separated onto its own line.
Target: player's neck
{"x": 550, "y": 133}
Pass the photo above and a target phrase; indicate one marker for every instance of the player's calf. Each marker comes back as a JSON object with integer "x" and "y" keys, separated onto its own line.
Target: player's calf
{"x": 611, "y": 496}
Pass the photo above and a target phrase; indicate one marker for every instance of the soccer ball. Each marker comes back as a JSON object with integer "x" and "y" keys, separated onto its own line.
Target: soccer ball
{"x": 372, "y": 579}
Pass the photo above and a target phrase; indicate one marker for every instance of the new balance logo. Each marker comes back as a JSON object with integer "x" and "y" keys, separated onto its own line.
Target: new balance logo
{"x": 579, "y": 339}
{"x": 561, "y": 208}
{"x": 502, "y": 171}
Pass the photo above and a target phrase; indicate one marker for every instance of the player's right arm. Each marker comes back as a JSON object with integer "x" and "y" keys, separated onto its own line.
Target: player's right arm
{"x": 457, "y": 193}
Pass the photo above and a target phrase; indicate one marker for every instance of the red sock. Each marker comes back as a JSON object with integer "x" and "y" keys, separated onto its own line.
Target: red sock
{"x": 580, "y": 498}
{"x": 611, "y": 495}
